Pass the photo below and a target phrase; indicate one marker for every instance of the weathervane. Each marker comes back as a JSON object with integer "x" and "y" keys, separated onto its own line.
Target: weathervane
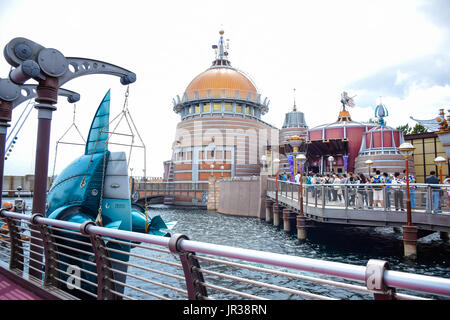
{"x": 346, "y": 100}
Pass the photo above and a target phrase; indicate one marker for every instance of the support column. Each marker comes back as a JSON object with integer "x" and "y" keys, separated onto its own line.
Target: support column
{"x": 301, "y": 227}
{"x": 5, "y": 117}
{"x": 288, "y": 218}
{"x": 47, "y": 92}
{"x": 276, "y": 209}
{"x": 410, "y": 242}
{"x": 269, "y": 206}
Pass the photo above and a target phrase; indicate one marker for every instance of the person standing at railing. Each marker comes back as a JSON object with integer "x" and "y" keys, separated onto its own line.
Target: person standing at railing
{"x": 398, "y": 192}
{"x": 350, "y": 189}
{"x": 361, "y": 190}
{"x": 436, "y": 192}
{"x": 447, "y": 191}
{"x": 337, "y": 190}
{"x": 297, "y": 178}
{"x": 343, "y": 181}
{"x": 387, "y": 180}
{"x": 377, "y": 190}
{"x": 412, "y": 188}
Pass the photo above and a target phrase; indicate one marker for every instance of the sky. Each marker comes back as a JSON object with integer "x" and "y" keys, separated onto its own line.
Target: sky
{"x": 397, "y": 50}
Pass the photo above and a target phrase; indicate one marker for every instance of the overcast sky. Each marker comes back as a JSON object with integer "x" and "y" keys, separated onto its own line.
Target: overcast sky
{"x": 394, "y": 49}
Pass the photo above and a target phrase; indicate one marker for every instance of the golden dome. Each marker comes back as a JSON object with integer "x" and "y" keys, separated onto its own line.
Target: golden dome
{"x": 215, "y": 79}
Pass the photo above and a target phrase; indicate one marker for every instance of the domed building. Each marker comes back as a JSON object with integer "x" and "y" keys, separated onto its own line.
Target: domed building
{"x": 221, "y": 132}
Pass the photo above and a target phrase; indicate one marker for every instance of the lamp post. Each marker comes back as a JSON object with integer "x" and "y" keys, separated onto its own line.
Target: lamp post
{"x": 369, "y": 164}
{"x": 295, "y": 142}
{"x": 439, "y": 161}
{"x": 409, "y": 231}
{"x": 330, "y": 160}
{"x": 221, "y": 171}
{"x": 212, "y": 170}
{"x": 301, "y": 159}
{"x": 407, "y": 149}
{"x": 277, "y": 163}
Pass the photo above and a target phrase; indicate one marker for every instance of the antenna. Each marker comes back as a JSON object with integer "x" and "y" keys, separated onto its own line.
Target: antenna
{"x": 295, "y": 107}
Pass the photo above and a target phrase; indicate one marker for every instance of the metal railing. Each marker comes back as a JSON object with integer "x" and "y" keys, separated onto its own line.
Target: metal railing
{"x": 427, "y": 198}
{"x": 93, "y": 262}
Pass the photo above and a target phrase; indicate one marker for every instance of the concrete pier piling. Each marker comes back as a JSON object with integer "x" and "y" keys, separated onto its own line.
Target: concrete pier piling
{"x": 269, "y": 206}
{"x": 410, "y": 241}
{"x": 288, "y": 218}
{"x": 301, "y": 227}
{"x": 276, "y": 209}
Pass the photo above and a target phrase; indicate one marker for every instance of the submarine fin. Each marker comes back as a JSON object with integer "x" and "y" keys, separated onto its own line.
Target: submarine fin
{"x": 98, "y": 133}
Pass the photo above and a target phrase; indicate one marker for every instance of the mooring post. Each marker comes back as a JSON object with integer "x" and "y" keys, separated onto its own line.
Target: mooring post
{"x": 410, "y": 241}
{"x": 301, "y": 227}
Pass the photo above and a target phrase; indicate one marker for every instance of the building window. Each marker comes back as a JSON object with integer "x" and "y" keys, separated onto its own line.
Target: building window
{"x": 239, "y": 108}
{"x": 228, "y": 107}
{"x": 247, "y": 110}
{"x": 217, "y": 107}
{"x": 207, "y": 107}
{"x": 218, "y": 155}
{"x": 197, "y": 109}
{"x": 228, "y": 155}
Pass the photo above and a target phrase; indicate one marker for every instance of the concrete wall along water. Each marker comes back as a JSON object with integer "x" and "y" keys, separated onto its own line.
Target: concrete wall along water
{"x": 240, "y": 196}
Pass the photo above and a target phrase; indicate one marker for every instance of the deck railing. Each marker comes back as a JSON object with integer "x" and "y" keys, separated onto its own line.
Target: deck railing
{"x": 428, "y": 198}
{"x": 83, "y": 259}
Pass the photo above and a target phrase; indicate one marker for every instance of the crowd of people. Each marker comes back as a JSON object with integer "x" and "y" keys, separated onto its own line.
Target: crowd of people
{"x": 368, "y": 192}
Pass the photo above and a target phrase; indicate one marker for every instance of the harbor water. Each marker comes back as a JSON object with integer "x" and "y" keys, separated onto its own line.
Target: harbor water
{"x": 346, "y": 245}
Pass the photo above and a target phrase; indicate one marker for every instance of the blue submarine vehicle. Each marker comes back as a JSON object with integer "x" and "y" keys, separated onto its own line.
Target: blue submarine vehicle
{"x": 95, "y": 187}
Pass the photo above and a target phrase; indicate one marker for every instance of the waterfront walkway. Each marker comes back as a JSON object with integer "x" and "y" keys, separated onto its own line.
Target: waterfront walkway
{"x": 348, "y": 210}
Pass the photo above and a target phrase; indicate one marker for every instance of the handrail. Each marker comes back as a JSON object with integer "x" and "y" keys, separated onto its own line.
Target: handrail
{"x": 181, "y": 245}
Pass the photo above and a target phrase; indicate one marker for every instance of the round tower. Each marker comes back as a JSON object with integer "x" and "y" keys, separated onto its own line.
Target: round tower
{"x": 221, "y": 133}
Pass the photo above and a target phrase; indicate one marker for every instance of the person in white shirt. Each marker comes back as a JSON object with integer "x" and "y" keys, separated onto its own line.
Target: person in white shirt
{"x": 297, "y": 178}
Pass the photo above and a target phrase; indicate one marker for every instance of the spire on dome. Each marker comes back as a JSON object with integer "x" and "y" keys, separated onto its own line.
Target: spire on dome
{"x": 221, "y": 51}
{"x": 381, "y": 112}
{"x": 295, "y": 107}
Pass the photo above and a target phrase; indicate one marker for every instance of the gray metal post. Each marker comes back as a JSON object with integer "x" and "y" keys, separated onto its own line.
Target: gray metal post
{"x": 104, "y": 272}
{"x": 192, "y": 276}
{"x": 16, "y": 257}
{"x": 51, "y": 272}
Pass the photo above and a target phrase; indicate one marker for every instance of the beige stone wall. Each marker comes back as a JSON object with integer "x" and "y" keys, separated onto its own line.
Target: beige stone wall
{"x": 241, "y": 196}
